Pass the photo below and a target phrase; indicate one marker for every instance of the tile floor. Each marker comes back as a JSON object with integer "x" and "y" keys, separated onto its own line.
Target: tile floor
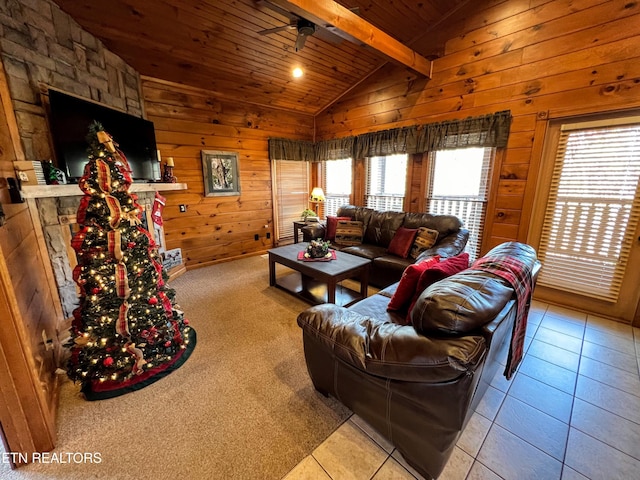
{"x": 572, "y": 412}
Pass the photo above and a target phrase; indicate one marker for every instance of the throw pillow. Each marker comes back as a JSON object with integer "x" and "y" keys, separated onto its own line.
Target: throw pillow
{"x": 408, "y": 282}
{"x": 332, "y": 223}
{"x": 402, "y": 241}
{"x": 349, "y": 232}
{"x": 437, "y": 272}
{"x": 425, "y": 238}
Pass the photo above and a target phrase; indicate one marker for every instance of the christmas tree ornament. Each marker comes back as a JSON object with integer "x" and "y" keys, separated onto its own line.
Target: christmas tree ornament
{"x": 126, "y": 333}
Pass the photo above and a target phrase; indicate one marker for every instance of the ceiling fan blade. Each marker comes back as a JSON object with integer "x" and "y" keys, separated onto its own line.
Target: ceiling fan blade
{"x": 302, "y": 38}
{"x": 276, "y": 29}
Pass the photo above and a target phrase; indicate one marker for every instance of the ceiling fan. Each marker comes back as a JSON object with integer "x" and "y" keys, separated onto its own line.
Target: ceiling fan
{"x": 305, "y": 29}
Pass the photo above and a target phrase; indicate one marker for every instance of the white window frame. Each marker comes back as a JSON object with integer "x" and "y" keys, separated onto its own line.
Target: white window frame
{"x": 471, "y": 209}
{"x": 383, "y": 199}
{"x": 583, "y": 247}
{"x": 335, "y": 199}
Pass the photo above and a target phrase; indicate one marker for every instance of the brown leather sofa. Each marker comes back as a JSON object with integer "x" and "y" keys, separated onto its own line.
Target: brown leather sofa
{"x": 379, "y": 229}
{"x": 417, "y": 388}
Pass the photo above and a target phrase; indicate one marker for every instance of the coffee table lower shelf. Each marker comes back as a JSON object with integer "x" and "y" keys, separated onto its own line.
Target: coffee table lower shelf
{"x": 314, "y": 291}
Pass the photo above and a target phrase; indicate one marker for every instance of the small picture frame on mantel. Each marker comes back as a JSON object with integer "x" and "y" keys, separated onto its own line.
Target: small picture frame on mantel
{"x": 220, "y": 170}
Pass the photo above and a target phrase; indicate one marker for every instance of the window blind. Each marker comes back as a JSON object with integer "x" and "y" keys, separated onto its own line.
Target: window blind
{"x": 592, "y": 209}
{"x": 386, "y": 179}
{"x": 336, "y": 178}
{"x": 292, "y": 195}
{"x": 465, "y": 195}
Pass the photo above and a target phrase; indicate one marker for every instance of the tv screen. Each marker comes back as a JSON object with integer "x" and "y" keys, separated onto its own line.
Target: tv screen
{"x": 69, "y": 120}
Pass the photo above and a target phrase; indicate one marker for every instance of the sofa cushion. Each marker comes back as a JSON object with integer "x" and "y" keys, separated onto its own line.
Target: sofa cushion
{"x": 332, "y": 223}
{"x": 425, "y": 239}
{"x": 461, "y": 303}
{"x": 403, "y": 295}
{"x": 365, "y": 251}
{"x": 349, "y": 232}
{"x": 389, "y": 350}
{"x": 402, "y": 241}
{"x": 444, "y": 224}
{"x": 437, "y": 272}
{"x": 361, "y": 214}
{"x": 382, "y": 227}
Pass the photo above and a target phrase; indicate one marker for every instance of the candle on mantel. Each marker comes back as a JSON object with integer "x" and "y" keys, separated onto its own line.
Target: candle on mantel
{"x": 169, "y": 162}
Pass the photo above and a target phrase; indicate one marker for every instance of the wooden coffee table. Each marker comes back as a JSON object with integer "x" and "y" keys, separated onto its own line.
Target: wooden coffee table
{"x": 316, "y": 282}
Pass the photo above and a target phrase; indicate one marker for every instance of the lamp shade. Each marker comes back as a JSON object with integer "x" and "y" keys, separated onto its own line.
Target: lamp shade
{"x": 317, "y": 195}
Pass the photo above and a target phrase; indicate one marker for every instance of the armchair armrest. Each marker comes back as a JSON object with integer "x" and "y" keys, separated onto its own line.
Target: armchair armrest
{"x": 390, "y": 350}
{"x": 448, "y": 246}
{"x": 313, "y": 231}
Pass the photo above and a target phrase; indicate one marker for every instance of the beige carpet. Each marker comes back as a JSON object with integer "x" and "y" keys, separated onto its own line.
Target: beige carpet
{"x": 242, "y": 407}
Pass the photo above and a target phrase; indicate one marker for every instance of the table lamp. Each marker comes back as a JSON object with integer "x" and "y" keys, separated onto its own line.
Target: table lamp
{"x": 316, "y": 197}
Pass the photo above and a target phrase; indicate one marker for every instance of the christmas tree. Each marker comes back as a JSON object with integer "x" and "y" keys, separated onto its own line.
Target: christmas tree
{"x": 127, "y": 331}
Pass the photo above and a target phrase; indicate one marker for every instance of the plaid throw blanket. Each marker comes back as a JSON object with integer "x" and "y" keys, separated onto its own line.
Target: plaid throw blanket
{"x": 518, "y": 274}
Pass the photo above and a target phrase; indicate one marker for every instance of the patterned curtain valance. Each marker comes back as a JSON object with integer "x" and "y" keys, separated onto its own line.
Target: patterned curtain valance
{"x": 486, "y": 131}
{"x": 286, "y": 149}
{"x": 334, "y": 149}
{"x": 490, "y": 130}
{"x": 386, "y": 142}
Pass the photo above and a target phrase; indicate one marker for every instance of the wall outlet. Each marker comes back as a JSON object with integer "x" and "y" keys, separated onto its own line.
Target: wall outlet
{"x": 183, "y": 208}
{"x": 256, "y": 237}
{"x": 268, "y": 235}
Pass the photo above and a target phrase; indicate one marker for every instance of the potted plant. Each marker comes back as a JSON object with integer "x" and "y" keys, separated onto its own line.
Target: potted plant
{"x": 307, "y": 214}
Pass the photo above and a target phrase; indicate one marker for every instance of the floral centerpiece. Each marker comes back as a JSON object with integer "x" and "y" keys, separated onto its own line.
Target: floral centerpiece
{"x": 317, "y": 249}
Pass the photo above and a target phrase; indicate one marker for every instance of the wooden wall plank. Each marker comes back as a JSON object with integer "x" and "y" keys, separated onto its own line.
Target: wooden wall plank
{"x": 188, "y": 121}
{"x": 526, "y": 57}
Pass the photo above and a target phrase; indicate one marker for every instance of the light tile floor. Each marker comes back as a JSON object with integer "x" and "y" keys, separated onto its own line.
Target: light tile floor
{"x": 572, "y": 412}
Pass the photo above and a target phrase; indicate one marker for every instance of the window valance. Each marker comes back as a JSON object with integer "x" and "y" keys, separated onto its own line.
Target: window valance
{"x": 287, "y": 149}
{"x": 486, "y": 131}
{"x": 490, "y": 130}
{"x": 334, "y": 149}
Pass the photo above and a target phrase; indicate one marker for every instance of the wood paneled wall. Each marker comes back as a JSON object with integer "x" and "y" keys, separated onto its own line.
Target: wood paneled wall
{"x": 28, "y": 390}
{"x": 189, "y": 120}
{"x": 538, "y": 58}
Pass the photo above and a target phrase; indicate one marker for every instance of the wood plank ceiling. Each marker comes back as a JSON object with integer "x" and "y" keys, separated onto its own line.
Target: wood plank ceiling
{"x": 215, "y": 45}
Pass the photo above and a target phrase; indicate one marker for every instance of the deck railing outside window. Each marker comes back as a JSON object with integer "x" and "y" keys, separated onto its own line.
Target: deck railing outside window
{"x": 385, "y": 202}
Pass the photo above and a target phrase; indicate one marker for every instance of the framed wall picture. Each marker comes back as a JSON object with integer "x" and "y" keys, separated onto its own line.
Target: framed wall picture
{"x": 220, "y": 170}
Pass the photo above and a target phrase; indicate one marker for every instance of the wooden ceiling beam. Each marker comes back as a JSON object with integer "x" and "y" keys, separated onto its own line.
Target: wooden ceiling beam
{"x": 323, "y": 12}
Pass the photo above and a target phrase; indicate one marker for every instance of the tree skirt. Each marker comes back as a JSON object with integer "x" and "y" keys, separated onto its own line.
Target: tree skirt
{"x": 96, "y": 390}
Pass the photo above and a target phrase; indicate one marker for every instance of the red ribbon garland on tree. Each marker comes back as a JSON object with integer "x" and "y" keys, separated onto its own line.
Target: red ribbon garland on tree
{"x": 104, "y": 176}
{"x": 114, "y": 241}
{"x": 166, "y": 303}
{"x": 140, "y": 361}
{"x": 122, "y": 325}
{"x": 122, "y": 282}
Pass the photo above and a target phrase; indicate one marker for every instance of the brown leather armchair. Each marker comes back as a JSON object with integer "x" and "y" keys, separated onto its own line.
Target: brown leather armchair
{"x": 417, "y": 384}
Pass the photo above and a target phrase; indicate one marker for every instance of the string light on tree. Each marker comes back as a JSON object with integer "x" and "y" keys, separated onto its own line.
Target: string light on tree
{"x": 121, "y": 341}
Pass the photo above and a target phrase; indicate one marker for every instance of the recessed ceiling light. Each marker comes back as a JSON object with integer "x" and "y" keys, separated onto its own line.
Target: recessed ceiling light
{"x": 297, "y": 72}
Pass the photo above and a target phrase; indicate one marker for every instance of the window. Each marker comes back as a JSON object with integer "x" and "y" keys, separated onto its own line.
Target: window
{"x": 386, "y": 182}
{"x": 592, "y": 208}
{"x": 458, "y": 185}
{"x": 291, "y": 195}
{"x": 336, "y": 178}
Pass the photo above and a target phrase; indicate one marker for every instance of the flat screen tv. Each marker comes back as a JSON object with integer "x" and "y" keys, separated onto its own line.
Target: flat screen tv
{"x": 69, "y": 121}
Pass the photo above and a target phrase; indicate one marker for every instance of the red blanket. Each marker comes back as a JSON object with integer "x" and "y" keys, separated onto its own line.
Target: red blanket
{"x": 518, "y": 274}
